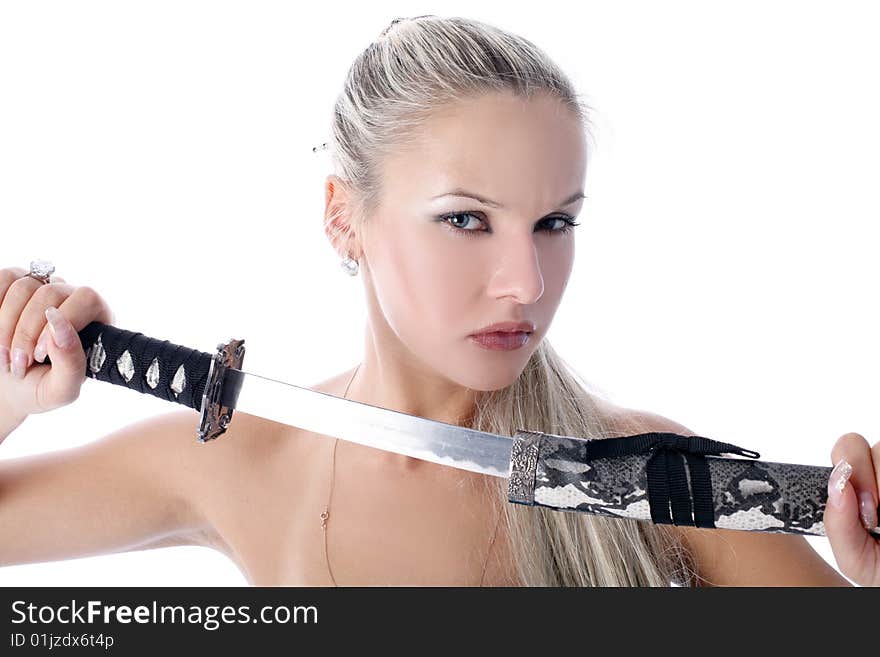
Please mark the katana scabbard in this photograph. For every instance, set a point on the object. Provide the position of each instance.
(668, 479)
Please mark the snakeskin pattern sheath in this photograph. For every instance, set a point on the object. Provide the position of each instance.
(667, 478)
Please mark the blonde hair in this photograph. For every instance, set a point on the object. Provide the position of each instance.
(399, 80)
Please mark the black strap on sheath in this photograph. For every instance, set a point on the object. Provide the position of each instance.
(667, 480)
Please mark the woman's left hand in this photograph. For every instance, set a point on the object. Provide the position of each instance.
(852, 508)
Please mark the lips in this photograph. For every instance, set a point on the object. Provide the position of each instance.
(501, 340)
(504, 336)
(506, 327)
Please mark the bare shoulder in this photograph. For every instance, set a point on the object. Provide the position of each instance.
(727, 557)
(631, 420)
(240, 463)
(206, 475)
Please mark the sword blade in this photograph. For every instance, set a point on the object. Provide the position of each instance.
(373, 426)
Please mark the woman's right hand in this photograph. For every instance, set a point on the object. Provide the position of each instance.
(24, 325)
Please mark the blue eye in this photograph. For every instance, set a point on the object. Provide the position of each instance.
(456, 215)
(567, 223)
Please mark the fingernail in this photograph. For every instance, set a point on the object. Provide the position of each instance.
(868, 509)
(19, 362)
(837, 482)
(61, 330)
(40, 350)
(4, 358)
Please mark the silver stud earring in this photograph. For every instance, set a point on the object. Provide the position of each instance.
(350, 266)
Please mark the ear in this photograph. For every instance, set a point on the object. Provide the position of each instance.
(338, 214)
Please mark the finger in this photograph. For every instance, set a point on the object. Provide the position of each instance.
(61, 385)
(85, 306)
(875, 456)
(40, 352)
(40, 348)
(7, 277)
(82, 307)
(856, 551)
(33, 320)
(18, 293)
(857, 452)
(34, 314)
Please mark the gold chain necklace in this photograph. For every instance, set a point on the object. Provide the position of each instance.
(326, 514)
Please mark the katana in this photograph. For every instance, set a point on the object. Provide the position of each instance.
(662, 477)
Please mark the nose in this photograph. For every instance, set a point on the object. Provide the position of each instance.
(518, 274)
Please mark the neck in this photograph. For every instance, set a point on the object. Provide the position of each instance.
(390, 377)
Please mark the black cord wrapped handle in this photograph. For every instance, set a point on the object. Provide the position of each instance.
(165, 370)
(154, 367)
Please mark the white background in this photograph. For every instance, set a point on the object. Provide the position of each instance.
(726, 267)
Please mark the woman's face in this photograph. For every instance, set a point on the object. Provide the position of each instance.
(431, 282)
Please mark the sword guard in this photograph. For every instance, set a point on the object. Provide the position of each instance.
(215, 416)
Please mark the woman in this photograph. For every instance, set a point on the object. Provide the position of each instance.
(460, 155)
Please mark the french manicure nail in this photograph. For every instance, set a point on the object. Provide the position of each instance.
(40, 350)
(868, 509)
(837, 481)
(19, 362)
(61, 331)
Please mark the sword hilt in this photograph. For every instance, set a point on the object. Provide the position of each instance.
(165, 370)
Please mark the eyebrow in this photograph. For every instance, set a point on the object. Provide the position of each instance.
(495, 204)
